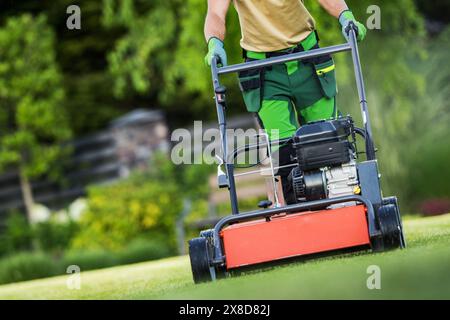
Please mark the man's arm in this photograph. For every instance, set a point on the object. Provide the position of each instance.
(215, 19)
(215, 30)
(334, 7)
(340, 10)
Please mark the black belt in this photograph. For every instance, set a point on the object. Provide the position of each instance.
(297, 48)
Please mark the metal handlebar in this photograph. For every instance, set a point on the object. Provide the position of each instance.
(258, 64)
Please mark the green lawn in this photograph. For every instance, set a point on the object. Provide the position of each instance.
(420, 271)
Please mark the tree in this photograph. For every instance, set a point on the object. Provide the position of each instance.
(32, 119)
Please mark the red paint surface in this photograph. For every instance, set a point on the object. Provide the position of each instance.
(292, 235)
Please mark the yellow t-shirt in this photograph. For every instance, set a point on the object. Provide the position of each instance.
(271, 25)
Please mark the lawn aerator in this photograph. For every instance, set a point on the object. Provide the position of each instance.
(338, 200)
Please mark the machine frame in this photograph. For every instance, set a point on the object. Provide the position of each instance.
(371, 197)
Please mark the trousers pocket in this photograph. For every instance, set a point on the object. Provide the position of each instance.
(250, 85)
(325, 71)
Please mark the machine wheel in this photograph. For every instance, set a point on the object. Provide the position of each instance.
(393, 200)
(390, 227)
(376, 244)
(199, 250)
(209, 236)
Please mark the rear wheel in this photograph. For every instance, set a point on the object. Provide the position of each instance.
(390, 227)
(199, 250)
(209, 236)
(393, 201)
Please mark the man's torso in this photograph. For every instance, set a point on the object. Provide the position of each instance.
(271, 25)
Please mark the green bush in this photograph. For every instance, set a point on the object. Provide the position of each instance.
(50, 236)
(147, 204)
(27, 266)
(54, 236)
(120, 212)
(89, 259)
(138, 250)
(33, 265)
(17, 234)
(144, 250)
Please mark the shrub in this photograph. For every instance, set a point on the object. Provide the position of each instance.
(33, 265)
(147, 203)
(144, 250)
(118, 213)
(89, 259)
(54, 236)
(51, 235)
(17, 235)
(138, 250)
(27, 266)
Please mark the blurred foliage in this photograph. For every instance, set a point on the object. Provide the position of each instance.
(151, 54)
(88, 259)
(391, 103)
(138, 250)
(435, 206)
(33, 121)
(144, 250)
(428, 150)
(147, 204)
(81, 55)
(119, 212)
(435, 9)
(130, 221)
(151, 43)
(410, 115)
(16, 235)
(138, 53)
(27, 266)
(54, 236)
(51, 236)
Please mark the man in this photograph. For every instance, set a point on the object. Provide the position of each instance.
(288, 95)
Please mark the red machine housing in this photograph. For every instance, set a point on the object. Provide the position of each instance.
(297, 234)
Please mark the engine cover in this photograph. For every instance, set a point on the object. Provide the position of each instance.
(323, 143)
(326, 160)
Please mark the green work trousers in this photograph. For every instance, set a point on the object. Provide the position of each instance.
(285, 96)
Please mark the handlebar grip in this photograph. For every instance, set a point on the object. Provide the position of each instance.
(351, 26)
(215, 62)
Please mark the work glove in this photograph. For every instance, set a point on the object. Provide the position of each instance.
(215, 48)
(345, 18)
